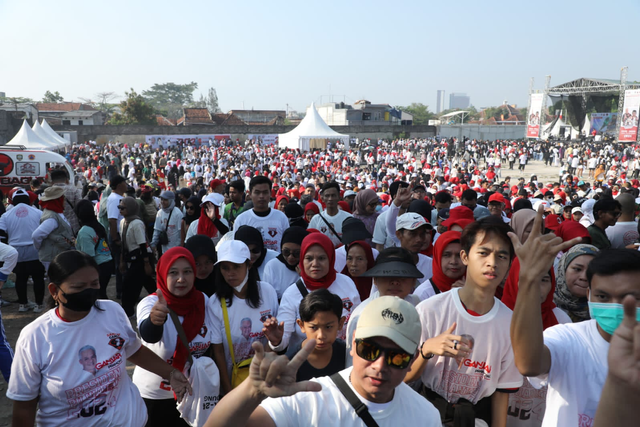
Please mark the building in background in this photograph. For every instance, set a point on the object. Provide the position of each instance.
(440, 103)
(70, 114)
(459, 101)
(362, 113)
(261, 117)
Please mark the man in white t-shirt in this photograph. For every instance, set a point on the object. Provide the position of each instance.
(381, 237)
(271, 223)
(385, 342)
(473, 369)
(625, 231)
(118, 186)
(329, 222)
(570, 358)
(414, 234)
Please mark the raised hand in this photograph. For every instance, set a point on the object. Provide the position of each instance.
(447, 344)
(273, 330)
(160, 310)
(275, 376)
(624, 349)
(402, 196)
(537, 254)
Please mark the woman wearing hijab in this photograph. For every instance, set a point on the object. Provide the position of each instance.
(260, 255)
(54, 234)
(364, 208)
(210, 223)
(295, 213)
(204, 253)
(317, 258)
(167, 223)
(310, 210)
(92, 240)
(571, 282)
(240, 306)
(176, 292)
(587, 211)
(192, 213)
(359, 260)
(136, 265)
(283, 271)
(447, 266)
(281, 202)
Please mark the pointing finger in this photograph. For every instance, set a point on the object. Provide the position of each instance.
(302, 355)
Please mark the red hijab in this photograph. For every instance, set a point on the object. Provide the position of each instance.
(439, 278)
(279, 199)
(362, 283)
(325, 243)
(510, 293)
(311, 206)
(190, 306)
(571, 229)
(205, 225)
(56, 205)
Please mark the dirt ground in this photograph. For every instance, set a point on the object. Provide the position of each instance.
(15, 321)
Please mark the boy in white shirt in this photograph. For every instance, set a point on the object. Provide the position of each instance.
(570, 358)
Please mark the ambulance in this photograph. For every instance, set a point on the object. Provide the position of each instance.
(19, 166)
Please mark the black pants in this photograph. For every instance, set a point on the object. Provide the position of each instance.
(163, 413)
(134, 280)
(105, 270)
(23, 270)
(115, 253)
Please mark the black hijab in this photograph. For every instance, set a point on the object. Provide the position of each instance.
(203, 245)
(292, 235)
(189, 218)
(251, 236)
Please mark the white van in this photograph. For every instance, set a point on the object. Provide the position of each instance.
(19, 166)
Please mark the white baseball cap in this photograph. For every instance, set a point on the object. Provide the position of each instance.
(576, 209)
(233, 251)
(411, 221)
(392, 318)
(215, 198)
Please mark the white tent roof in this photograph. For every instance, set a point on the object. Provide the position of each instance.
(28, 138)
(53, 133)
(311, 127)
(44, 135)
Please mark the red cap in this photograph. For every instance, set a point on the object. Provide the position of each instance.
(497, 197)
(552, 221)
(460, 215)
(217, 182)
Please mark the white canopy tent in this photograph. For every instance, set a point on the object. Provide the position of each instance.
(28, 138)
(53, 133)
(44, 135)
(312, 132)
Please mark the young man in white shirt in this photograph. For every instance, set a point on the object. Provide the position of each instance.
(473, 370)
(625, 231)
(270, 222)
(385, 342)
(118, 186)
(329, 222)
(570, 358)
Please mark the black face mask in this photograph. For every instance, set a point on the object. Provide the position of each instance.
(80, 301)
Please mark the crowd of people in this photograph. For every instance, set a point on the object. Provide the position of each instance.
(396, 281)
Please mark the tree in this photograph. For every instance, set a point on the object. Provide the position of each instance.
(52, 98)
(420, 112)
(103, 102)
(210, 102)
(170, 98)
(134, 110)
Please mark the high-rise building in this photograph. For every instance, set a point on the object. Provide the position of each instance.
(459, 100)
(440, 103)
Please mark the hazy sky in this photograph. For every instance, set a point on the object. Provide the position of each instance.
(266, 54)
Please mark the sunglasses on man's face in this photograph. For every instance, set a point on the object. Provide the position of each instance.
(370, 351)
(122, 207)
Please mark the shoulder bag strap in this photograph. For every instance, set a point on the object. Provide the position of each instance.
(435, 288)
(181, 334)
(227, 328)
(330, 226)
(301, 288)
(361, 409)
(169, 219)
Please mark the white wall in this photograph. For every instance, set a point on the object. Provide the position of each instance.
(483, 132)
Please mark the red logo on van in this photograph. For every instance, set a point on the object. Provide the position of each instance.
(6, 165)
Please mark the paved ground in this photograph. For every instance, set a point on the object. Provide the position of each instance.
(15, 321)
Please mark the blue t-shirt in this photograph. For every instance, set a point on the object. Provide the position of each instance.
(89, 243)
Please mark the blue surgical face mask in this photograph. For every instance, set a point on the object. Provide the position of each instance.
(609, 315)
(378, 208)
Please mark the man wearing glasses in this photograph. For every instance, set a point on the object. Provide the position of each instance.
(384, 345)
(606, 212)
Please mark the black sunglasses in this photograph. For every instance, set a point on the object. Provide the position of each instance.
(287, 253)
(256, 251)
(122, 207)
(190, 208)
(370, 351)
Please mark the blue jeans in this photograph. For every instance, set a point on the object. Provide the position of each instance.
(6, 353)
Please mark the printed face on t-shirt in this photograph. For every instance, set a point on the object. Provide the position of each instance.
(88, 360)
(488, 261)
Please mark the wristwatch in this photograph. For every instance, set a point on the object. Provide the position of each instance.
(422, 354)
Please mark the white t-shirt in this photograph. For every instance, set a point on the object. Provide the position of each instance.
(246, 323)
(491, 364)
(271, 255)
(279, 276)
(152, 386)
(341, 257)
(271, 226)
(47, 364)
(335, 221)
(136, 235)
(577, 374)
(425, 290)
(173, 229)
(329, 407)
(425, 267)
(380, 235)
(622, 234)
(343, 286)
(112, 207)
(527, 405)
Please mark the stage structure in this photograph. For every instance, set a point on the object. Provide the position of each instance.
(583, 95)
